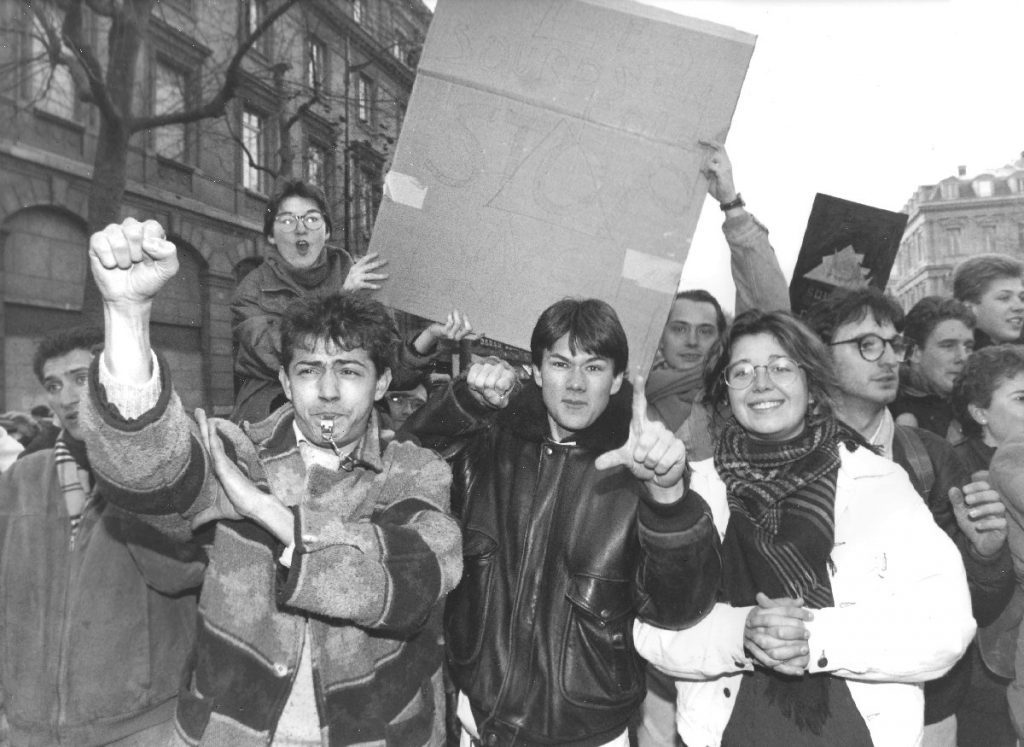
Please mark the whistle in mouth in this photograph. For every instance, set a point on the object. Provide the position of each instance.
(327, 430)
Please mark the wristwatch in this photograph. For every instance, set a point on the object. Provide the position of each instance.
(737, 203)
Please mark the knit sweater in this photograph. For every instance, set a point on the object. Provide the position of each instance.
(375, 554)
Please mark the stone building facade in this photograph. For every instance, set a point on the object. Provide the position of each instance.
(321, 96)
(949, 221)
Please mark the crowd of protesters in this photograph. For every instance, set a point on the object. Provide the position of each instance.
(793, 530)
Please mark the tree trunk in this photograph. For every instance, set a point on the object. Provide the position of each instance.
(110, 167)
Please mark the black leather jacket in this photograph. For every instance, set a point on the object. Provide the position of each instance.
(560, 559)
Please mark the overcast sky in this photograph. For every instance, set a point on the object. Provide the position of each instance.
(861, 99)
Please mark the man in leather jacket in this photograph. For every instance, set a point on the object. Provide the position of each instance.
(577, 519)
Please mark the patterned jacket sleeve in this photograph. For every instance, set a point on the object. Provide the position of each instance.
(154, 466)
(388, 570)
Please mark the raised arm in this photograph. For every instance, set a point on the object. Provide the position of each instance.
(755, 267)
(681, 568)
(144, 449)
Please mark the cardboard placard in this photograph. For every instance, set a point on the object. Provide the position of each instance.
(551, 149)
(846, 245)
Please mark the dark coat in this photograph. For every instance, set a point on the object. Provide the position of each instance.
(559, 559)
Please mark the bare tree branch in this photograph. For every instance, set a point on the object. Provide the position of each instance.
(73, 36)
(217, 105)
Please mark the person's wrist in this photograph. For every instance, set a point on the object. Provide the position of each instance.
(736, 202)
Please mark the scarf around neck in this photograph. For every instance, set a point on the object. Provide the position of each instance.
(74, 477)
(779, 541)
(306, 277)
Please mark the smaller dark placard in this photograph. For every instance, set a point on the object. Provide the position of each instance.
(846, 245)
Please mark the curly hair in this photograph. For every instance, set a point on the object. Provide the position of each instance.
(852, 306)
(983, 373)
(63, 342)
(800, 344)
(348, 320)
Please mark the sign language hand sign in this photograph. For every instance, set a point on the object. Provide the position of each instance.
(652, 452)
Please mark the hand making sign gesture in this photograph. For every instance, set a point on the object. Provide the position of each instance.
(652, 452)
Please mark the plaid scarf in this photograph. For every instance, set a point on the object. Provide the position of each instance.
(74, 478)
(781, 502)
(779, 540)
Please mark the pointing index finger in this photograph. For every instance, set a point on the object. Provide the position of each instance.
(639, 397)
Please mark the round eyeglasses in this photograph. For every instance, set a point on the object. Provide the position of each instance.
(872, 347)
(288, 223)
(782, 371)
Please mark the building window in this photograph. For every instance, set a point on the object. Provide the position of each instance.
(365, 207)
(170, 95)
(399, 45)
(358, 10)
(989, 237)
(315, 65)
(316, 160)
(254, 147)
(51, 86)
(954, 235)
(983, 187)
(950, 190)
(364, 92)
(254, 13)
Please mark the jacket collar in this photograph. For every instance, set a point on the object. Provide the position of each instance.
(527, 417)
(275, 435)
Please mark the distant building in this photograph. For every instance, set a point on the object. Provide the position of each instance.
(960, 216)
(324, 92)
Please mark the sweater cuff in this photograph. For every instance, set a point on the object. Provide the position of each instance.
(132, 400)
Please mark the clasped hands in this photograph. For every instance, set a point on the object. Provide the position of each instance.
(776, 636)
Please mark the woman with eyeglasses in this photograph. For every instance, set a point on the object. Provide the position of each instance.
(297, 225)
(840, 593)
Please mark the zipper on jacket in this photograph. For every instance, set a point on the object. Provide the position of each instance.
(546, 451)
(70, 582)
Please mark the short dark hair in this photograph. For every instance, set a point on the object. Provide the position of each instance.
(592, 326)
(700, 295)
(984, 371)
(294, 188)
(800, 344)
(972, 277)
(929, 313)
(56, 344)
(849, 307)
(348, 320)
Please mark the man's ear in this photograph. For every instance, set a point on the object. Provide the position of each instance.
(915, 355)
(617, 382)
(383, 382)
(271, 240)
(537, 378)
(979, 415)
(286, 384)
